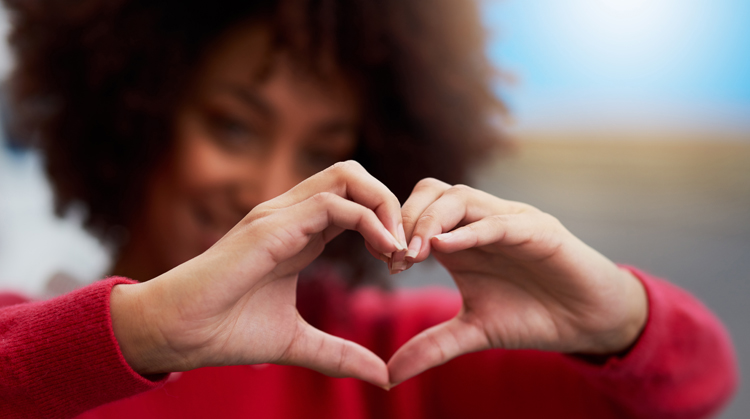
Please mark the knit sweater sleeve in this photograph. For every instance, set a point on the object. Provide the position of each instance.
(682, 366)
(59, 357)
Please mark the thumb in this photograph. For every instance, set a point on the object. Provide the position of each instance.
(334, 356)
(435, 346)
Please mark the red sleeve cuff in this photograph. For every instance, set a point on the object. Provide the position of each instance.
(683, 361)
(61, 357)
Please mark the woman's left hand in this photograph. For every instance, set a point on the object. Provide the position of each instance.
(526, 281)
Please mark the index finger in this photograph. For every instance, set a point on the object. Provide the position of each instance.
(425, 192)
(349, 180)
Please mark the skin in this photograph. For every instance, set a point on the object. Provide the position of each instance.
(526, 282)
(240, 140)
(248, 158)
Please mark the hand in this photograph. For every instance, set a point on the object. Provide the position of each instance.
(526, 281)
(235, 303)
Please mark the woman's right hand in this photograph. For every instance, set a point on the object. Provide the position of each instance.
(235, 303)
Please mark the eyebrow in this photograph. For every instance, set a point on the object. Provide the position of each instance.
(249, 98)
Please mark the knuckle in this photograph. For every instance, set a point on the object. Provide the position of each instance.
(323, 198)
(495, 221)
(259, 212)
(354, 165)
(430, 183)
(345, 167)
(550, 220)
(525, 208)
(409, 218)
(426, 219)
(262, 207)
(338, 169)
(461, 189)
(462, 193)
(343, 358)
(343, 170)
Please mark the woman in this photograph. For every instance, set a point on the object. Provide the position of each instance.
(209, 135)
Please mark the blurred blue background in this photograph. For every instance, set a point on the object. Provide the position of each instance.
(673, 64)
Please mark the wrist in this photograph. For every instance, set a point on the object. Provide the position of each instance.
(625, 335)
(136, 331)
(638, 311)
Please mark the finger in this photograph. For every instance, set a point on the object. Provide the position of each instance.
(425, 192)
(334, 356)
(284, 234)
(440, 216)
(500, 230)
(435, 346)
(377, 255)
(324, 210)
(351, 181)
(388, 259)
(456, 206)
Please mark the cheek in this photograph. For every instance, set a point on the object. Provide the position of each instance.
(196, 178)
(202, 167)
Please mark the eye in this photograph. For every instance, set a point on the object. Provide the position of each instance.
(231, 128)
(231, 132)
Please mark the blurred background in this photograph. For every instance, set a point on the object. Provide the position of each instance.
(632, 126)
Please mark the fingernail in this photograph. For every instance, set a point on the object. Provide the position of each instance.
(398, 263)
(388, 255)
(402, 236)
(398, 266)
(444, 236)
(386, 387)
(394, 240)
(384, 258)
(414, 247)
(400, 247)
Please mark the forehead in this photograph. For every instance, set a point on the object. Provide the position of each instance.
(245, 57)
(243, 54)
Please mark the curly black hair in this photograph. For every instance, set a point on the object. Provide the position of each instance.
(97, 82)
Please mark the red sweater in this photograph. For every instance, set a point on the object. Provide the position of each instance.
(59, 358)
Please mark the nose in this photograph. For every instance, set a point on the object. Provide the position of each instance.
(280, 175)
(267, 177)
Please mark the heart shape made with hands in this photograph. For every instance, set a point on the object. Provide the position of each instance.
(524, 280)
(431, 347)
(320, 290)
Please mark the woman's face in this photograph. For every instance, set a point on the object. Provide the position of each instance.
(240, 140)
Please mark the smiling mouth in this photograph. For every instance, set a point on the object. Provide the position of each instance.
(212, 222)
(210, 230)
(203, 217)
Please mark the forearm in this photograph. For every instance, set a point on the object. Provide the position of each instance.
(60, 357)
